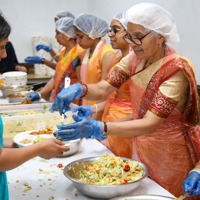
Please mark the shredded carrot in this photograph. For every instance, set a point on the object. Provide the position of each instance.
(76, 195)
(37, 196)
(49, 179)
(29, 187)
(41, 170)
(41, 185)
(17, 181)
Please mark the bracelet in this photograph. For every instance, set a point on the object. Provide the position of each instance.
(86, 90)
(195, 170)
(39, 95)
(96, 108)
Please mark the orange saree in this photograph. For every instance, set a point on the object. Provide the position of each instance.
(168, 89)
(118, 106)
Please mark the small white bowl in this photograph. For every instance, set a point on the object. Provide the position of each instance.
(74, 145)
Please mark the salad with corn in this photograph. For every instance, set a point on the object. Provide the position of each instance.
(111, 170)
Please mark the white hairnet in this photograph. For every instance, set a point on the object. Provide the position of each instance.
(121, 18)
(65, 26)
(155, 18)
(91, 25)
(64, 13)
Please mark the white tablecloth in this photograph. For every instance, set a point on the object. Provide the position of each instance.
(46, 179)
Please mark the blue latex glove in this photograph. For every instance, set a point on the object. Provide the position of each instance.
(83, 127)
(44, 47)
(83, 111)
(34, 97)
(33, 59)
(67, 96)
(192, 182)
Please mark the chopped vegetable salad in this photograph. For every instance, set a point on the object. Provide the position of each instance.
(111, 170)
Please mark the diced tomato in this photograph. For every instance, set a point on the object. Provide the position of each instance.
(137, 170)
(60, 165)
(125, 181)
(127, 168)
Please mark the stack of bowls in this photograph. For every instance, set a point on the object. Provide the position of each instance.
(14, 86)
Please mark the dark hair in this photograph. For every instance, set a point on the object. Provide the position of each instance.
(5, 28)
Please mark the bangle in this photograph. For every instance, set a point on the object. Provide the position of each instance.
(96, 108)
(86, 90)
(42, 61)
(39, 95)
(195, 170)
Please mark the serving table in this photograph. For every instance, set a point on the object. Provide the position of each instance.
(43, 179)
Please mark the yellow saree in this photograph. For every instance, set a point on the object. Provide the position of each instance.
(91, 68)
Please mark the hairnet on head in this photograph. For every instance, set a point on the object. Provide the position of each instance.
(64, 13)
(91, 25)
(121, 18)
(65, 26)
(155, 18)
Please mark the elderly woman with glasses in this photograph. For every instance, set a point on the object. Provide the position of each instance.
(164, 99)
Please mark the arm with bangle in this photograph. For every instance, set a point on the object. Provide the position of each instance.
(50, 64)
(48, 87)
(54, 55)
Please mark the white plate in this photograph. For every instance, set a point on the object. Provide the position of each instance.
(26, 135)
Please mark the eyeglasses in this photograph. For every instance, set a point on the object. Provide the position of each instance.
(114, 31)
(137, 41)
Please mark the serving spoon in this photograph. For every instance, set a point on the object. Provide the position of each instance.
(67, 84)
(184, 196)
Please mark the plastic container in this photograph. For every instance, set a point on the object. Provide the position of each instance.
(15, 124)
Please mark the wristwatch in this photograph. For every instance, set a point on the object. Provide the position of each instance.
(42, 61)
(105, 133)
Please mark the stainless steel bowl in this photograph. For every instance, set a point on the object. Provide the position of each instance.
(72, 172)
(143, 197)
(17, 97)
(14, 89)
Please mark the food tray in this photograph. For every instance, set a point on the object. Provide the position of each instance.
(14, 108)
(14, 124)
(40, 106)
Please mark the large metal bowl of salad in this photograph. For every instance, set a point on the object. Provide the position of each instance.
(107, 176)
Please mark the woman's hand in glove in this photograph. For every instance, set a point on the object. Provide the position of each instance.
(83, 111)
(67, 96)
(192, 183)
(83, 127)
(44, 47)
(33, 59)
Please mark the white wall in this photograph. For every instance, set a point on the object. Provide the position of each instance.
(35, 17)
